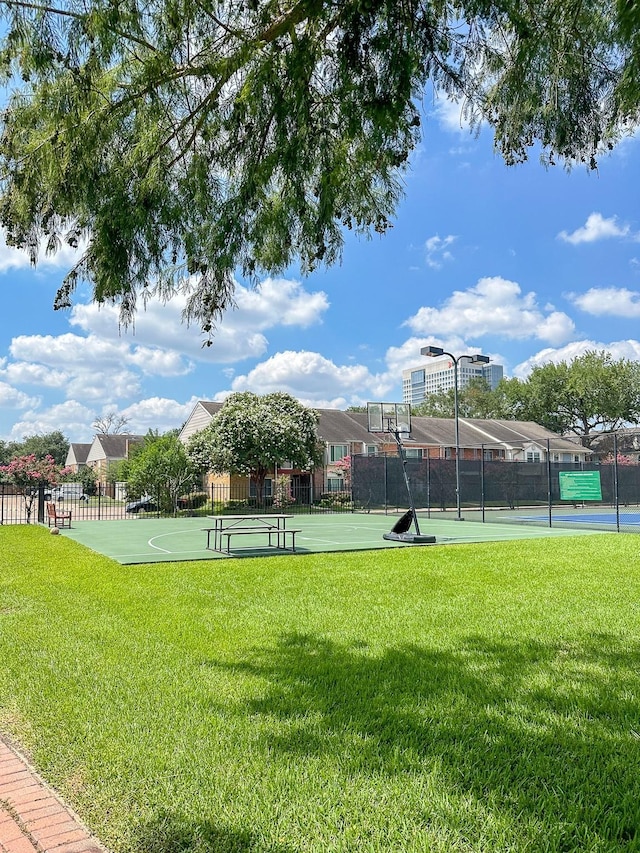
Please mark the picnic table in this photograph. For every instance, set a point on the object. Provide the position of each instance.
(273, 525)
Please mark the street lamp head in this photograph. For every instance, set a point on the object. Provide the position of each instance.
(432, 352)
(480, 359)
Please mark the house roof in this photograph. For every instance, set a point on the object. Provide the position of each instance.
(112, 446)
(212, 408)
(77, 453)
(338, 426)
(521, 433)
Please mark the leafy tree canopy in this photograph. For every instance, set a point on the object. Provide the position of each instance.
(187, 140)
(592, 394)
(476, 400)
(251, 434)
(160, 468)
(53, 444)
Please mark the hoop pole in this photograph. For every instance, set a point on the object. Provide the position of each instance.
(403, 459)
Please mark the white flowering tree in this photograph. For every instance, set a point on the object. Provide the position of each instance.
(251, 434)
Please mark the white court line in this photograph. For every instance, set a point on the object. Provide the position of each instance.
(173, 533)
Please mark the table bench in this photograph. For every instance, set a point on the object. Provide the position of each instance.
(248, 531)
(268, 524)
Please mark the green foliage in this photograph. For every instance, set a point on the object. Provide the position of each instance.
(184, 141)
(193, 500)
(53, 444)
(161, 468)
(251, 434)
(440, 404)
(476, 400)
(592, 392)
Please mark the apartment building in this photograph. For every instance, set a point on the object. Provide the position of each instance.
(438, 374)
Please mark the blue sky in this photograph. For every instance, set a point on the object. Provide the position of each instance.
(524, 264)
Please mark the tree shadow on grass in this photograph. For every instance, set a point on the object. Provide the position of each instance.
(545, 733)
(170, 833)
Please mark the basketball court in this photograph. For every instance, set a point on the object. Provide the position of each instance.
(155, 540)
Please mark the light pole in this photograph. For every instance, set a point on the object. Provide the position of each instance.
(476, 358)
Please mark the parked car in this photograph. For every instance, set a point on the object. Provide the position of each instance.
(67, 492)
(143, 504)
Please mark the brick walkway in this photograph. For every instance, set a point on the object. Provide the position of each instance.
(33, 819)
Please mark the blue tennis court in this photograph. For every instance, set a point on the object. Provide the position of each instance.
(626, 518)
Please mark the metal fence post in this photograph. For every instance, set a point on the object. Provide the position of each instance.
(386, 485)
(549, 487)
(616, 492)
(482, 505)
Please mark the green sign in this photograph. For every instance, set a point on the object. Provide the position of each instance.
(580, 486)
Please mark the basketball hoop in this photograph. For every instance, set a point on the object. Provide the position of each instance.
(395, 419)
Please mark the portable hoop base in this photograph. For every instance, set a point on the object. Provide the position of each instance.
(410, 538)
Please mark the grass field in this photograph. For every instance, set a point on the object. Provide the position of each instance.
(475, 697)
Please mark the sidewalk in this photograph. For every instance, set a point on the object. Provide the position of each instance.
(33, 819)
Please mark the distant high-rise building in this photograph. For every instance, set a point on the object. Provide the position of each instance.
(438, 375)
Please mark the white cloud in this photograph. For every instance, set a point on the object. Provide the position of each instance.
(608, 301)
(276, 302)
(71, 352)
(437, 250)
(313, 378)
(495, 306)
(25, 373)
(451, 115)
(89, 368)
(595, 228)
(157, 413)
(11, 258)
(75, 419)
(239, 335)
(11, 398)
(629, 349)
(72, 418)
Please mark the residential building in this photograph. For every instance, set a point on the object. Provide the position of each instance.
(107, 450)
(77, 456)
(346, 434)
(438, 374)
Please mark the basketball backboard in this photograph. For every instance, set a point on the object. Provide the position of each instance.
(392, 418)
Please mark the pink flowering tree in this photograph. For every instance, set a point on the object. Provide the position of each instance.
(28, 474)
(344, 467)
(621, 459)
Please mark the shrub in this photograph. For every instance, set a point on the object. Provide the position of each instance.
(195, 500)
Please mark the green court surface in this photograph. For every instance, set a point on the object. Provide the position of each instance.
(153, 540)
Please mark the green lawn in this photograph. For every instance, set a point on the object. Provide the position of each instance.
(476, 698)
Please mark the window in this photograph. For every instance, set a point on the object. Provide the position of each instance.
(413, 452)
(267, 488)
(335, 484)
(372, 449)
(533, 456)
(337, 452)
